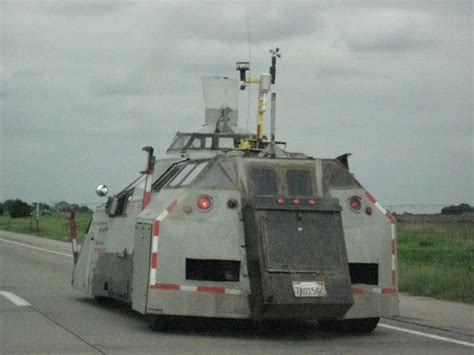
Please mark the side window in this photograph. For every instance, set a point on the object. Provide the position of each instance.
(179, 142)
(167, 176)
(337, 176)
(182, 174)
(201, 143)
(263, 181)
(299, 182)
(226, 142)
(188, 174)
(222, 175)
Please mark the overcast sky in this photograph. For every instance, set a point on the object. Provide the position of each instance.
(85, 85)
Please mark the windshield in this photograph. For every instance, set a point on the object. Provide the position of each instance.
(185, 141)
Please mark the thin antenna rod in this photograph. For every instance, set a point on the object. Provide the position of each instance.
(250, 70)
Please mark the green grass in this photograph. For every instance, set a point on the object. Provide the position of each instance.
(436, 258)
(53, 226)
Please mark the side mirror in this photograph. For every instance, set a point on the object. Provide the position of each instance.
(101, 190)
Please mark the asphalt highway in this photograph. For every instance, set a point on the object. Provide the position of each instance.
(41, 314)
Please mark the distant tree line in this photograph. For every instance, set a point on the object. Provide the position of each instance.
(463, 208)
(18, 208)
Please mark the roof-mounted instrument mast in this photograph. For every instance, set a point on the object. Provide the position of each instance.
(265, 82)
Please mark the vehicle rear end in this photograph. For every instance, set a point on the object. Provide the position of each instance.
(296, 252)
(261, 238)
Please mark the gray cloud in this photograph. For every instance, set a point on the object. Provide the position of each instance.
(390, 29)
(228, 22)
(83, 84)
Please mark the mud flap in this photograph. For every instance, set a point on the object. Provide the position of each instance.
(297, 260)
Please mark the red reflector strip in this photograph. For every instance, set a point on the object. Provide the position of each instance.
(146, 199)
(390, 218)
(357, 290)
(154, 260)
(156, 228)
(370, 197)
(209, 289)
(201, 289)
(389, 290)
(172, 205)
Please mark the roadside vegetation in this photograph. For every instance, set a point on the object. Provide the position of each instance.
(436, 256)
(21, 217)
(52, 225)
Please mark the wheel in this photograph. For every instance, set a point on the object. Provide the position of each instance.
(360, 325)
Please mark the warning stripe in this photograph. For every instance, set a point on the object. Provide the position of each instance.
(394, 255)
(155, 239)
(393, 243)
(388, 215)
(147, 190)
(194, 288)
(360, 290)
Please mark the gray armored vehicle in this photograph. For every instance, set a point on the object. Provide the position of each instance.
(229, 224)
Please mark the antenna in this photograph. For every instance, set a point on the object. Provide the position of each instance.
(250, 72)
(275, 55)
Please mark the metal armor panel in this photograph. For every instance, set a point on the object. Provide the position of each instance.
(291, 246)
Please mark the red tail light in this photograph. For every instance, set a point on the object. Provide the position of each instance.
(355, 203)
(312, 201)
(281, 200)
(204, 203)
(296, 201)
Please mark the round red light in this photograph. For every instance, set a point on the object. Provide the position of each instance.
(355, 203)
(204, 202)
(312, 202)
(281, 200)
(296, 201)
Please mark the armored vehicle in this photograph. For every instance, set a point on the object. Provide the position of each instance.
(229, 224)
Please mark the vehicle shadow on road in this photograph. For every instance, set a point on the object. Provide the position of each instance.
(219, 327)
(248, 329)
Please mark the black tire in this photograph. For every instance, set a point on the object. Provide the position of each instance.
(360, 326)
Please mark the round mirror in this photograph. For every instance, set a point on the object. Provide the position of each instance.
(101, 190)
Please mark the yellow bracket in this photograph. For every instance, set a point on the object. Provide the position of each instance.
(252, 80)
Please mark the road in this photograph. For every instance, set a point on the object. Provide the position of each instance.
(40, 313)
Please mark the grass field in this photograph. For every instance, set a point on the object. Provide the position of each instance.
(53, 226)
(435, 253)
(436, 256)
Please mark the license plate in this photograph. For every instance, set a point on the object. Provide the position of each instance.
(309, 288)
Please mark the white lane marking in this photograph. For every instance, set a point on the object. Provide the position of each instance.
(36, 248)
(14, 298)
(427, 335)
